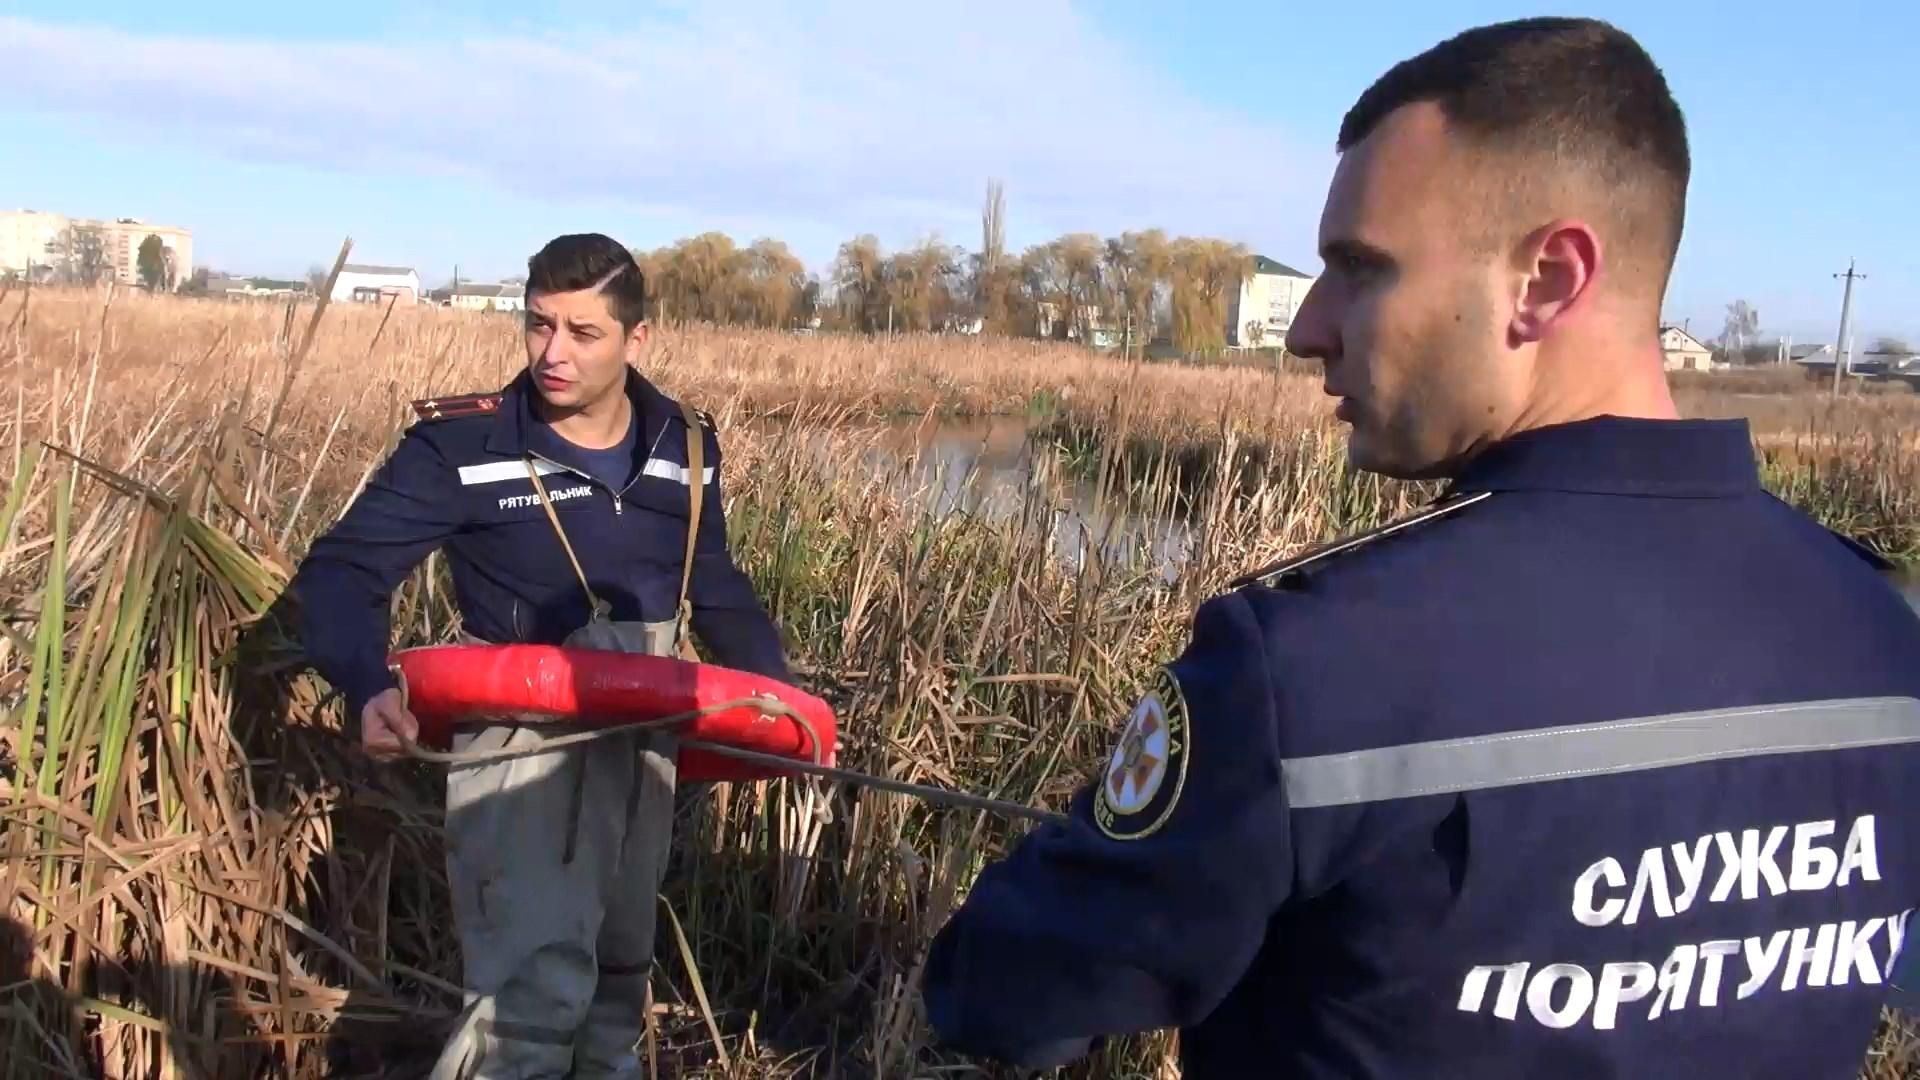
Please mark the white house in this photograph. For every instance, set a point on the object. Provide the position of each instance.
(1259, 315)
(472, 296)
(361, 282)
(1684, 352)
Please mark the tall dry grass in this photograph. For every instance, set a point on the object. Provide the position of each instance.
(203, 877)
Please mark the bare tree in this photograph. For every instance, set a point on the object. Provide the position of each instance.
(1742, 324)
(993, 227)
(79, 254)
(993, 281)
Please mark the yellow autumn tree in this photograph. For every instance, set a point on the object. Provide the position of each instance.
(1203, 273)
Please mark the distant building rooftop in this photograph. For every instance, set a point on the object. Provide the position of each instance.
(498, 291)
(1264, 265)
(370, 268)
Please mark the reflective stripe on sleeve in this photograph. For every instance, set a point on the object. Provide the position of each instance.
(1559, 753)
(667, 470)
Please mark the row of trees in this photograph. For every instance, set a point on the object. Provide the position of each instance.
(1136, 287)
(709, 279)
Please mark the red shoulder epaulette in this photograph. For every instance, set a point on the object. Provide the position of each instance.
(450, 408)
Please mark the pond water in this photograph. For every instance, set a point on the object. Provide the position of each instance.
(999, 469)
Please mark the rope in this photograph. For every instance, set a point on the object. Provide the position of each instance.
(860, 779)
(770, 706)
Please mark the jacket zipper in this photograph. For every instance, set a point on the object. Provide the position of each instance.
(571, 471)
(652, 448)
(618, 496)
(623, 491)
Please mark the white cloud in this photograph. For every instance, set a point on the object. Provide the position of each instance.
(857, 118)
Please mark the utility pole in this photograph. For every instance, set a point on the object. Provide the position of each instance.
(1846, 315)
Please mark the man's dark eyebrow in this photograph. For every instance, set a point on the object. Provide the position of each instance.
(1347, 247)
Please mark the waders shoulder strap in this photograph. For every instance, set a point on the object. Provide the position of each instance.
(600, 612)
(600, 607)
(696, 489)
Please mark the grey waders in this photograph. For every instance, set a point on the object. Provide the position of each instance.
(555, 861)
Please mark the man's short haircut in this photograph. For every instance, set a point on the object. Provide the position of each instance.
(579, 261)
(1575, 96)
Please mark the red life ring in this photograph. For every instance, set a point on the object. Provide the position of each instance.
(603, 688)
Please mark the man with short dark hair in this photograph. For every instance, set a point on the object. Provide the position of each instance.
(1599, 766)
(579, 505)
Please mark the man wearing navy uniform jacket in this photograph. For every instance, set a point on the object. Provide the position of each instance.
(1601, 766)
(564, 505)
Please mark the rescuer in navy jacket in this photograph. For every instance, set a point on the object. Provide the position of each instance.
(456, 482)
(1602, 766)
(554, 857)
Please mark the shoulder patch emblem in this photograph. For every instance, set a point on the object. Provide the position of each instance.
(1148, 767)
(1271, 575)
(450, 408)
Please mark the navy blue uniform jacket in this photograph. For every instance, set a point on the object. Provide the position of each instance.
(1608, 772)
(460, 482)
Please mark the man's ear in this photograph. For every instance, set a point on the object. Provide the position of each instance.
(1558, 264)
(637, 340)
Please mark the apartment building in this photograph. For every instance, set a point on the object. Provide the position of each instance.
(28, 237)
(123, 238)
(25, 236)
(1261, 311)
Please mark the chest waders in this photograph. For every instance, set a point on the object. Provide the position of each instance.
(661, 637)
(556, 952)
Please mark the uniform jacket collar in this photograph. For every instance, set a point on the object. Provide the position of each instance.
(1613, 455)
(516, 423)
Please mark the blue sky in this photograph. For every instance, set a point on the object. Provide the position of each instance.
(469, 134)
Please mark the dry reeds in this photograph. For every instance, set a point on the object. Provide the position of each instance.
(203, 876)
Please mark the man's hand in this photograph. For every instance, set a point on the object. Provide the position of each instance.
(382, 722)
